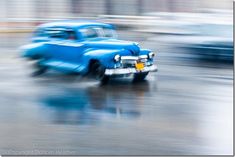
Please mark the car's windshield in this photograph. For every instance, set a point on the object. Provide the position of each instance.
(95, 32)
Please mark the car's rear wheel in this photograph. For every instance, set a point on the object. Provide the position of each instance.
(98, 72)
(38, 69)
(138, 77)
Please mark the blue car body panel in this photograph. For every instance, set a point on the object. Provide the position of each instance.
(76, 55)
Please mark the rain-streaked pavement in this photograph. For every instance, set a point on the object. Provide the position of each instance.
(184, 108)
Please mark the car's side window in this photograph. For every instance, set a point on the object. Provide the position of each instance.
(89, 32)
(51, 33)
(71, 34)
(107, 32)
(94, 32)
(56, 33)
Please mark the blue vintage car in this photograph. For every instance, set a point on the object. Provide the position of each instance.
(87, 47)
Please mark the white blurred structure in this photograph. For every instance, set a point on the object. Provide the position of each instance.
(18, 15)
(74, 8)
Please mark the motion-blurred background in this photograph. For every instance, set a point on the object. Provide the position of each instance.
(76, 8)
(186, 108)
(203, 27)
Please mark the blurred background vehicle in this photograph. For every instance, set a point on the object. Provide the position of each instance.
(203, 36)
(212, 41)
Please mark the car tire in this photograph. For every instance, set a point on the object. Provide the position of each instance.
(38, 69)
(98, 72)
(140, 77)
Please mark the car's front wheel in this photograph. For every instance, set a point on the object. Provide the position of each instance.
(98, 72)
(140, 76)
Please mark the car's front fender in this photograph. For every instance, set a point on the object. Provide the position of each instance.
(104, 56)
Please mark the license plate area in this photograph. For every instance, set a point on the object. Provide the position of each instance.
(139, 66)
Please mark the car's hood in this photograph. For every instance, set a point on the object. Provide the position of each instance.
(113, 44)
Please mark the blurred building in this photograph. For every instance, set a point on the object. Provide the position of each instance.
(76, 8)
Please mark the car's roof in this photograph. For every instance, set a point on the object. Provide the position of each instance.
(74, 24)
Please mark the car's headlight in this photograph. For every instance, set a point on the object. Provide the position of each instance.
(151, 55)
(117, 58)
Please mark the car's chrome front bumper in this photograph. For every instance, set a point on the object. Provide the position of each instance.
(123, 71)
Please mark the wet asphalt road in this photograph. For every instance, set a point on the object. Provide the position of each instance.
(184, 108)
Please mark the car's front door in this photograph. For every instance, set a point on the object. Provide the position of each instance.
(65, 50)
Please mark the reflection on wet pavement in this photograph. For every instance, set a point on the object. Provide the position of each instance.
(81, 106)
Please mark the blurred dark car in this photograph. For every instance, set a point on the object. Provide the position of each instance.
(207, 41)
(200, 35)
(210, 41)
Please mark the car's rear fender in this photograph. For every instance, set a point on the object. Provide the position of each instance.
(34, 50)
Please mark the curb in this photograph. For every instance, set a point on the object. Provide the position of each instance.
(16, 30)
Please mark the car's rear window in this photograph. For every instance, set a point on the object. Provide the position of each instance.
(56, 33)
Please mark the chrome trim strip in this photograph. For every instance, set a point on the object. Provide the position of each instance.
(129, 57)
(121, 71)
(143, 56)
(134, 57)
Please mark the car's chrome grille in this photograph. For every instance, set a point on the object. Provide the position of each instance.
(130, 61)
